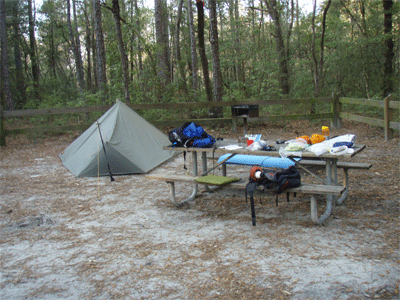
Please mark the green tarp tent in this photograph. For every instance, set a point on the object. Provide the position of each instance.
(132, 145)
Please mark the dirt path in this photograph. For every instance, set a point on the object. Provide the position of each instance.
(70, 238)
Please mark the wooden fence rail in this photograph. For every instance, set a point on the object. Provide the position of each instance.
(389, 107)
(334, 113)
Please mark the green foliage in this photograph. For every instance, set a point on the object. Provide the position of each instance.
(353, 53)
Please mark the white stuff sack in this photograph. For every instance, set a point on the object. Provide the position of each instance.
(327, 145)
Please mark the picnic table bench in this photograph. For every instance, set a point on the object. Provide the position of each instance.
(304, 163)
(312, 189)
(329, 187)
(346, 166)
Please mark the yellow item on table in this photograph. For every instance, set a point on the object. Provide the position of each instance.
(317, 138)
(325, 131)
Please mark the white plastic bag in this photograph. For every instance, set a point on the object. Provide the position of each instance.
(326, 146)
(258, 145)
(293, 148)
(320, 148)
(296, 145)
(341, 150)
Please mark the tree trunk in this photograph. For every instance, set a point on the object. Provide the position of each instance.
(289, 34)
(132, 38)
(262, 25)
(5, 74)
(100, 49)
(78, 46)
(94, 55)
(233, 39)
(193, 47)
(163, 65)
(121, 46)
(88, 45)
(388, 77)
(238, 49)
(217, 76)
(178, 49)
(138, 38)
(20, 97)
(32, 44)
(75, 44)
(52, 47)
(202, 48)
(272, 6)
(318, 65)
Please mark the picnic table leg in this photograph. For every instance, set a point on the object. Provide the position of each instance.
(330, 164)
(223, 169)
(204, 165)
(314, 210)
(343, 197)
(334, 172)
(195, 185)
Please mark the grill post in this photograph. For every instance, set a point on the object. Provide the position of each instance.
(244, 111)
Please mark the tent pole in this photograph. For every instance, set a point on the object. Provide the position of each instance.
(105, 153)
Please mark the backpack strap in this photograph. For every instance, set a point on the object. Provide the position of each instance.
(184, 159)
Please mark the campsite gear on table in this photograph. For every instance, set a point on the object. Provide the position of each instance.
(277, 182)
(326, 146)
(317, 138)
(257, 145)
(190, 134)
(269, 148)
(306, 138)
(296, 145)
(257, 160)
(347, 144)
(341, 150)
(293, 148)
(251, 138)
(132, 145)
(325, 132)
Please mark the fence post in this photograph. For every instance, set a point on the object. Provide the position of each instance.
(2, 130)
(388, 116)
(336, 108)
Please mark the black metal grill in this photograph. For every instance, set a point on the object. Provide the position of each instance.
(245, 111)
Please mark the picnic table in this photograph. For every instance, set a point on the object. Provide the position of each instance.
(328, 186)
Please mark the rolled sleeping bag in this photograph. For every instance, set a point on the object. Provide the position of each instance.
(258, 160)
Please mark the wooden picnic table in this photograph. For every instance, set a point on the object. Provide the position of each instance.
(330, 165)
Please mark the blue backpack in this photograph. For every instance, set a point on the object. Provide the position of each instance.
(190, 134)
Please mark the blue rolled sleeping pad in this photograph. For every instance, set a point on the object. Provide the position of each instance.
(258, 160)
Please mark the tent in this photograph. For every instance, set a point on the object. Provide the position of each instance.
(120, 141)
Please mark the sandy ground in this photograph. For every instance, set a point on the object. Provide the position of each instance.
(89, 238)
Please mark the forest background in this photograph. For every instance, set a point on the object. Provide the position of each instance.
(65, 53)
